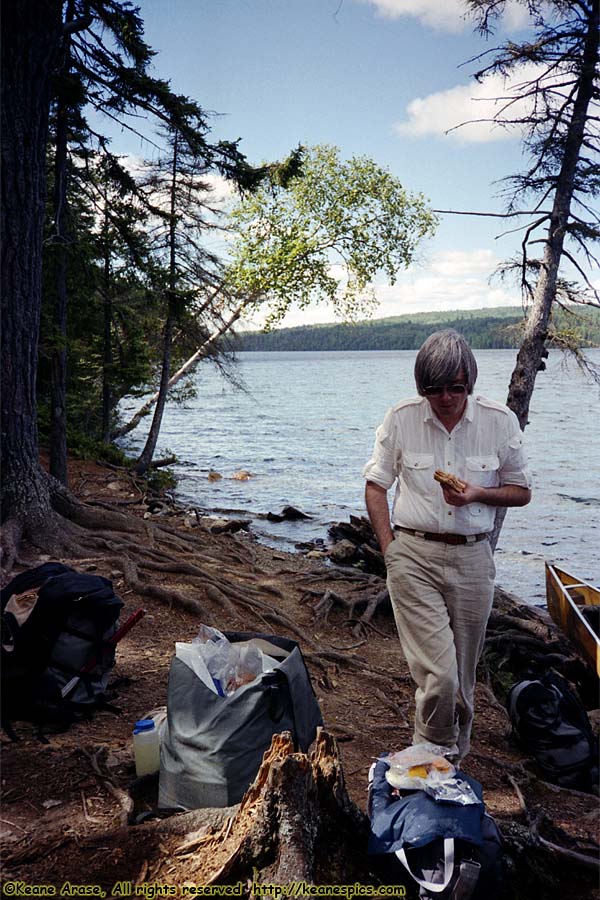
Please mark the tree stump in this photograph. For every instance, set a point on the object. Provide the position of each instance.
(296, 823)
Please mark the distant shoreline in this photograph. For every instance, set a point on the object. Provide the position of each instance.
(498, 328)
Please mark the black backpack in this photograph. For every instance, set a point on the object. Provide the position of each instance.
(57, 626)
(550, 723)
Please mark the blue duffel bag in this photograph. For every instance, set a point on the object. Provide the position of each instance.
(453, 852)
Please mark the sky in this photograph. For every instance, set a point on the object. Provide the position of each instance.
(382, 78)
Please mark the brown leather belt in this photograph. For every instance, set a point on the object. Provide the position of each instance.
(445, 538)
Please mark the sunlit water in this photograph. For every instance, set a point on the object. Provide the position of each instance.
(304, 428)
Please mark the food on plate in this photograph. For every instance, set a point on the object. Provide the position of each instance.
(450, 480)
(418, 766)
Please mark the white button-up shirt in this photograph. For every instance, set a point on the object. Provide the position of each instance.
(485, 448)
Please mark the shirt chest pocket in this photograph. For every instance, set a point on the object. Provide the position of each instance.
(417, 471)
(482, 470)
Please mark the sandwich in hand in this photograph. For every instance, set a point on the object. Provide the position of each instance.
(450, 481)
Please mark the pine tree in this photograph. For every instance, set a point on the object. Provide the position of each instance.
(562, 140)
(107, 50)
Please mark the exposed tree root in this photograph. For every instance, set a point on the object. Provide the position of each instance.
(330, 599)
(122, 797)
(493, 700)
(351, 662)
(141, 550)
(336, 575)
(34, 849)
(12, 533)
(521, 640)
(575, 857)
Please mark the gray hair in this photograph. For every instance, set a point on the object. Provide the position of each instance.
(441, 358)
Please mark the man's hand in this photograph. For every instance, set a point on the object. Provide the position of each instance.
(470, 494)
(505, 495)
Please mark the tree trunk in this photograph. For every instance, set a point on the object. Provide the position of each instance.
(200, 353)
(533, 347)
(296, 823)
(150, 446)
(31, 38)
(531, 352)
(107, 354)
(58, 371)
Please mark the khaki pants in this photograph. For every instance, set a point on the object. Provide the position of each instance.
(441, 597)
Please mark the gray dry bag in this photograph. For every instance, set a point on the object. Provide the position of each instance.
(212, 746)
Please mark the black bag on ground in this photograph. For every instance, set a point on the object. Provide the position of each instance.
(550, 723)
(55, 621)
(212, 746)
(452, 852)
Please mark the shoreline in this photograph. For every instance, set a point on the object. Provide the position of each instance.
(303, 546)
(304, 435)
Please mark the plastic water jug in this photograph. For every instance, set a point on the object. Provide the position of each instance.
(146, 747)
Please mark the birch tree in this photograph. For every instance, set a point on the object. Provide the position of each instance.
(317, 228)
(326, 236)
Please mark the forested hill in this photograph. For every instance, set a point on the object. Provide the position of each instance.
(484, 329)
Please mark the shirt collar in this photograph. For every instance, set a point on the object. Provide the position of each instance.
(469, 408)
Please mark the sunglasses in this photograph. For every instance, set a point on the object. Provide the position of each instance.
(436, 390)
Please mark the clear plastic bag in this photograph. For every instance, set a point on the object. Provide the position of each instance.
(454, 790)
(418, 766)
(247, 665)
(218, 655)
(231, 666)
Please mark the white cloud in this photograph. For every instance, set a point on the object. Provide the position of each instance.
(447, 15)
(474, 103)
(463, 263)
(451, 279)
(444, 14)
(221, 190)
(432, 292)
(515, 16)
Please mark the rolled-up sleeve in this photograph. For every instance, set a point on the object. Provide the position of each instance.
(513, 458)
(382, 468)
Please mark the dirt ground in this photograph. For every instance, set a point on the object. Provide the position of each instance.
(61, 802)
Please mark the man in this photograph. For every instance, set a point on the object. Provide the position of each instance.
(436, 547)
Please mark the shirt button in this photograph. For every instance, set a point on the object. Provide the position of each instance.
(449, 513)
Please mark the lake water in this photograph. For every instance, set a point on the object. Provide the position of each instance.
(304, 427)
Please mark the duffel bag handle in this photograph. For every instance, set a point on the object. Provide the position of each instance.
(434, 887)
(275, 684)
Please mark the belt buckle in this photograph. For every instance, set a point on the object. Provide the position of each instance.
(471, 539)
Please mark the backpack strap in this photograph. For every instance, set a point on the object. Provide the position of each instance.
(434, 887)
